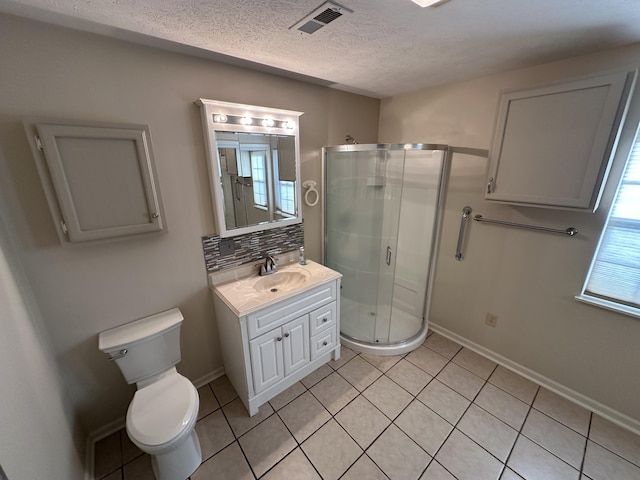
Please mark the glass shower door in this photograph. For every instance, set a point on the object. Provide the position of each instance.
(363, 193)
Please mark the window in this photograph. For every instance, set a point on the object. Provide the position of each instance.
(614, 278)
(259, 174)
(287, 197)
(284, 189)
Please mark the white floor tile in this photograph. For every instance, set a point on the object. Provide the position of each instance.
(566, 412)
(515, 384)
(533, 462)
(363, 421)
(502, 405)
(467, 460)
(295, 465)
(462, 381)
(331, 450)
(390, 398)
(267, 444)
(359, 373)
(555, 437)
(304, 416)
(601, 464)
(408, 376)
(424, 426)
(617, 439)
(487, 431)
(428, 360)
(364, 469)
(397, 455)
(475, 363)
(445, 402)
(442, 345)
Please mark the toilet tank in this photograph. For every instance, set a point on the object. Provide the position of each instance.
(152, 345)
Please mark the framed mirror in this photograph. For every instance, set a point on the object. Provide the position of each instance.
(253, 157)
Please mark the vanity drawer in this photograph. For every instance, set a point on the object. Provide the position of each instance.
(271, 317)
(322, 343)
(323, 318)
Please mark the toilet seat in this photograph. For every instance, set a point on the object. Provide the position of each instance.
(160, 414)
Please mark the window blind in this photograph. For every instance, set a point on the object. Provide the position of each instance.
(615, 272)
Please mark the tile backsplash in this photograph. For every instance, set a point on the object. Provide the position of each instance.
(252, 247)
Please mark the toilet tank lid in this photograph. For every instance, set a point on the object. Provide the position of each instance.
(134, 331)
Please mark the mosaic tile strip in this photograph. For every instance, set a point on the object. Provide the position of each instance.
(252, 247)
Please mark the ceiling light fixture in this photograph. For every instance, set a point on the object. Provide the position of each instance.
(429, 3)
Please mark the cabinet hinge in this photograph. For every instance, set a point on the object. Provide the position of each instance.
(38, 143)
(491, 185)
(65, 229)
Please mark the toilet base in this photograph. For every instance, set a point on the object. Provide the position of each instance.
(180, 462)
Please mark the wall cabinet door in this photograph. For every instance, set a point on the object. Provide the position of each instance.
(99, 179)
(552, 145)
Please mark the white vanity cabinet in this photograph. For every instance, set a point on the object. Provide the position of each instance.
(271, 340)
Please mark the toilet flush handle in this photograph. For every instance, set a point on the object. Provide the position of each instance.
(120, 354)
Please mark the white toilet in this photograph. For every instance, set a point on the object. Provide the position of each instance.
(161, 418)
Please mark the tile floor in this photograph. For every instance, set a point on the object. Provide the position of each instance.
(440, 412)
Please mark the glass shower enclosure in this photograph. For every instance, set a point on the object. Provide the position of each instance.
(382, 212)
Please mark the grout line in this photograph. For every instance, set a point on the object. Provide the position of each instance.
(586, 444)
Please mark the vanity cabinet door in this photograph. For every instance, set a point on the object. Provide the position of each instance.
(267, 359)
(296, 344)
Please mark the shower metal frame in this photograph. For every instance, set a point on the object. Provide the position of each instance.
(411, 343)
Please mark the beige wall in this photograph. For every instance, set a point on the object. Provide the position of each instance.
(39, 437)
(82, 290)
(528, 279)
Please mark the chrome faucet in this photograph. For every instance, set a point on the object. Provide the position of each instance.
(269, 266)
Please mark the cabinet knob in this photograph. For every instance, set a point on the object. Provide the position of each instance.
(279, 339)
(286, 335)
(324, 343)
(155, 215)
(324, 320)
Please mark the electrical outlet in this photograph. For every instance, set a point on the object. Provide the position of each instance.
(491, 320)
(227, 246)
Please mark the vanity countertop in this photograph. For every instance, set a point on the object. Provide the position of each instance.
(244, 291)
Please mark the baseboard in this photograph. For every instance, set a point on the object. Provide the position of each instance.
(96, 436)
(119, 424)
(590, 404)
(209, 377)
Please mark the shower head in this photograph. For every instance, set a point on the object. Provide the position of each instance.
(350, 139)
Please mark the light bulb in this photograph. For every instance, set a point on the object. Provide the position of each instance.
(246, 120)
(268, 122)
(288, 125)
(220, 118)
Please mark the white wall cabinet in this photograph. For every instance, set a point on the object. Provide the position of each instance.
(99, 179)
(552, 145)
(268, 350)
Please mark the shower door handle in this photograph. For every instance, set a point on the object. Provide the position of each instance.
(388, 255)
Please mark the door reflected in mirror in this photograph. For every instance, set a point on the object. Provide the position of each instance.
(257, 177)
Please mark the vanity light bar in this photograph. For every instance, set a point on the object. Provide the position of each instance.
(248, 120)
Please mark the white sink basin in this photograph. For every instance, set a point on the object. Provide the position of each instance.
(281, 282)
(244, 292)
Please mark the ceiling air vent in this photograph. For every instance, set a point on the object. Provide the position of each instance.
(321, 16)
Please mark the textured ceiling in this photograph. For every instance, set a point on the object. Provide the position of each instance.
(383, 48)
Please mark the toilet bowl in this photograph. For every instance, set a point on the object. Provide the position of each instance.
(162, 415)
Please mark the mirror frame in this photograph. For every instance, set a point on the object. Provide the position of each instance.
(286, 122)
